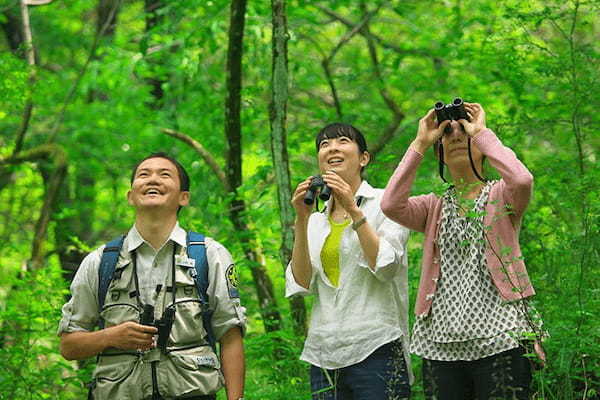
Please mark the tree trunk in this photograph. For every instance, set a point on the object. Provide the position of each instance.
(233, 132)
(77, 224)
(279, 154)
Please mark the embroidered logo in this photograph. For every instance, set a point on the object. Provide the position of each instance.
(232, 281)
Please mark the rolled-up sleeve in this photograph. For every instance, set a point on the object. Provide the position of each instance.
(392, 250)
(293, 288)
(223, 291)
(80, 313)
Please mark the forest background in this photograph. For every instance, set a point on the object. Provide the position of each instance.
(237, 92)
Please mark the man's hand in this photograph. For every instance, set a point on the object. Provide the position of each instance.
(132, 336)
(477, 116)
(129, 335)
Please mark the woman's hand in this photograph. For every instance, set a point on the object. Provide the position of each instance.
(302, 210)
(342, 192)
(429, 132)
(477, 116)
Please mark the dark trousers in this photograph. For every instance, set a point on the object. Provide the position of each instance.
(381, 376)
(504, 376)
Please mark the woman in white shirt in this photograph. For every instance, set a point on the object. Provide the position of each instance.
(352, 258)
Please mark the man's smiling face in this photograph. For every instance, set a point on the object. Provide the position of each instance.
(156, 184)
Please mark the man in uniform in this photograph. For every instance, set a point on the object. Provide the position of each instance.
(155, 277)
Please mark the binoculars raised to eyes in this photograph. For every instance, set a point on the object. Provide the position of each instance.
(317, 184)
(453, 111)
(164, 324)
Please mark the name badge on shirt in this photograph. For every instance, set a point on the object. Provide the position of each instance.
(206, 361)
(184, 261)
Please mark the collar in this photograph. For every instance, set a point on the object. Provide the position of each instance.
(134, 238)
(365, 190)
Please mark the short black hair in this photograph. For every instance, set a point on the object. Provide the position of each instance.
(184, 178)
(338, 129)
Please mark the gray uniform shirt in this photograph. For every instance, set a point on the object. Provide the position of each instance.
(81, 312)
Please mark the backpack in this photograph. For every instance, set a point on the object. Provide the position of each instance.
(196, 249)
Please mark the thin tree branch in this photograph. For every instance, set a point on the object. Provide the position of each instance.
(352, 32)
(383, 43)
(73, 89)
(37, 2)
(55, 154)
(205, 154)
(41, 227)
(327, 61)
(24, 124)
(316, 96)
(397, 114)
(389, 133)
(30, 57)
(27, 33)
(37, 153)
(329, 78)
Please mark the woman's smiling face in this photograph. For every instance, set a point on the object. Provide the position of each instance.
(342, 155)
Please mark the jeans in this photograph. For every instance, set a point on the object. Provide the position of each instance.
(381, 376)
(503, 376)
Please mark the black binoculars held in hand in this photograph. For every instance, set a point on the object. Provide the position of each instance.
(453, 111)
(317, 184)
(164, 324)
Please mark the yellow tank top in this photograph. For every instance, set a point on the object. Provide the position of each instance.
(330, 254)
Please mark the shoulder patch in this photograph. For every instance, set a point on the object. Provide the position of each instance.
(232, 281)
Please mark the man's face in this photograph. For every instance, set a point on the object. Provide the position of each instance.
(156, 185)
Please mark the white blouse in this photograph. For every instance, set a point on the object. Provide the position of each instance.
(368, 308)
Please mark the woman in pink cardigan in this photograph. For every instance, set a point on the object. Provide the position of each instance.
(473, 317)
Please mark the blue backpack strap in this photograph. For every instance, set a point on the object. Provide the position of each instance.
(108, 262)
(196, 249)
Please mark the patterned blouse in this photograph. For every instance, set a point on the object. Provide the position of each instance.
(469, 319)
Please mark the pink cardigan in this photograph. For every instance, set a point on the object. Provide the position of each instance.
(504, 210)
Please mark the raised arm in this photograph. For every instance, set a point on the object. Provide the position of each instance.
(517, 178)
(396, 204)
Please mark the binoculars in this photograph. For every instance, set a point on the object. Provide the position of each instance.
(453, 111)
(164, 325)
(317, 184)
